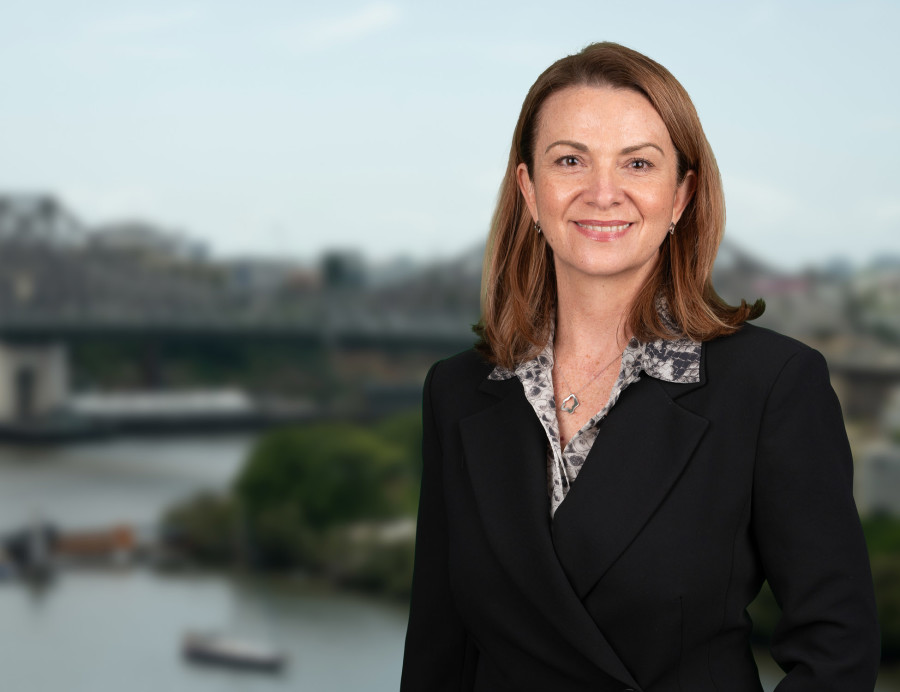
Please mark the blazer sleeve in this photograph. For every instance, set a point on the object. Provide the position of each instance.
(437, 653)
(809, 536)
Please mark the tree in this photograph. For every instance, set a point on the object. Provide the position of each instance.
(300, 482)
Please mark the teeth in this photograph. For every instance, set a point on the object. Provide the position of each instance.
(607, 229)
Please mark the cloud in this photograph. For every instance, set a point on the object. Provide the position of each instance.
(143, 22)
(325, 33)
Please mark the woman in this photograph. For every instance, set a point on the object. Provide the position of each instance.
(709, 454)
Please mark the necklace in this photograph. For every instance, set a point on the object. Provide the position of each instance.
(570, 403)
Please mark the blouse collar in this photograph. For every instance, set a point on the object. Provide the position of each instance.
(671, 360)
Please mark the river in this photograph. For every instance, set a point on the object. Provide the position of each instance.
(98, 632)
(109, 630)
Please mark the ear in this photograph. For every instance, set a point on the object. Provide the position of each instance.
(684, 193)
(526, 187)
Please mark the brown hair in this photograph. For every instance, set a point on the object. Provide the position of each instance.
(518, 288)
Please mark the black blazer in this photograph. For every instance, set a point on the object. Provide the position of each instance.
(691, 496)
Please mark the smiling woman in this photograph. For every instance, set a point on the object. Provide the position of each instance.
(605, 189)
(585, 527)
(606, 186)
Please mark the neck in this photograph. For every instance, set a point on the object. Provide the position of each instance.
(592, 315)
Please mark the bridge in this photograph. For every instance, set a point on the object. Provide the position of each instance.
(62, 283)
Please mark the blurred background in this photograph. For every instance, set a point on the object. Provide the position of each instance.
(233, 238)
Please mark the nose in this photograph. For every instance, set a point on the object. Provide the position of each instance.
(603, 187)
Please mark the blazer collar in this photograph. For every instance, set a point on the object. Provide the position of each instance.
(644, 446)
(505, 458)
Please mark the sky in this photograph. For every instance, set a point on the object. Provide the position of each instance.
(284, 128)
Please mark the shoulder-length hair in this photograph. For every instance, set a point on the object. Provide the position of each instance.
(518, 288)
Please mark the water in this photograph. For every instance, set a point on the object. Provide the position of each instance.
(93, 632)
(104, 630)
(112, 630)
(123, 480)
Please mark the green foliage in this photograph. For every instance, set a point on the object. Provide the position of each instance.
(387, 569)
(206, 526)
(281, 367)
(883, 539)
(361, 556)
(102, 363)
(328, 474)
(303, 489)
(882, 534)
(280, 539)
(404, 430)
(886, 575)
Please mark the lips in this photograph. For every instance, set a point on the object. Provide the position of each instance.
(604, 226)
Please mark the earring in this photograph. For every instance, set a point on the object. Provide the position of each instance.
(672, 228)
(537, 227)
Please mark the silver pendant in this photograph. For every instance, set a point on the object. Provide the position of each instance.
(572, 406)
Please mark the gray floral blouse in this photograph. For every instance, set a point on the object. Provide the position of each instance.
(671, 360)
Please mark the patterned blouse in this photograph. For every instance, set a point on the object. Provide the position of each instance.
(671, 360)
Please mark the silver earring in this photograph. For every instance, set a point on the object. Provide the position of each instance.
(672, 228)
(537, 227)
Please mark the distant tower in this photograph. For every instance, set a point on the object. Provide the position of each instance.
(343, 270)
(34, 375)
(36, 218)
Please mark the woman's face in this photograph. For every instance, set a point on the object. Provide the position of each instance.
(605, 185)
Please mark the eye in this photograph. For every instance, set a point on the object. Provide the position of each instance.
(568, 161)
(640, 164)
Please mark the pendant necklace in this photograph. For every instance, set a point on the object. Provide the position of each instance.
(570, 403)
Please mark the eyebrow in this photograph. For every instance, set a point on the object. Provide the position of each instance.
(567, 143)
(637, 147)
(583, 147)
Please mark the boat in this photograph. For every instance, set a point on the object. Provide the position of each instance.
(224, 650)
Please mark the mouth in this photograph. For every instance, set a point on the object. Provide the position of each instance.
(604, 226)
(603, 231)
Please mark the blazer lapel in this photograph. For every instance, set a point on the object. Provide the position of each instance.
(505, 457)
(643, 446)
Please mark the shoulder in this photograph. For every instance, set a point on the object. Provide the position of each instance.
(756, 348)
(755, 358)
(458, 387)
(751, 340)
(463, 372)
